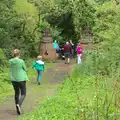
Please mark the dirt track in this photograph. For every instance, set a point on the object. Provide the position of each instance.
(52, 78)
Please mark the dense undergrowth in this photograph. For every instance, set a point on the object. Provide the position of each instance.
(85, 95)
(92, 92)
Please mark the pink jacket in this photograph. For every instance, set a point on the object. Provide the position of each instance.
(79, 50)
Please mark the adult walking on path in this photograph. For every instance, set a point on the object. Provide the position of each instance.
(79, 53)
(18, 78)
(67, 51)
(39, 66)
(72, 47)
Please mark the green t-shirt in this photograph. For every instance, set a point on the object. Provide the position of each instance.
(18, 70)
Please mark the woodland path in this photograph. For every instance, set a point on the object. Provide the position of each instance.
(52, 79)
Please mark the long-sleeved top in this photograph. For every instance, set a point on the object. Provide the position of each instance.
(79, 50)
(18, 70)
(56, 46)
(38, 65)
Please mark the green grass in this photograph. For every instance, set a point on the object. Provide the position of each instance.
(83, 96)
(64, 106)
(6, 88)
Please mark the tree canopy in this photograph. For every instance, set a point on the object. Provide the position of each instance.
(22, 22)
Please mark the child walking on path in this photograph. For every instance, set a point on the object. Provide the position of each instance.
(79, 53)
(39, 66)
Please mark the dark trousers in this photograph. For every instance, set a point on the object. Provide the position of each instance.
(20, 91)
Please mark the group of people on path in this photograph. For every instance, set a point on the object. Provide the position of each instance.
(19, 71)
(69, 51)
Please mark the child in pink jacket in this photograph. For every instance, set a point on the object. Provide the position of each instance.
(79, 53)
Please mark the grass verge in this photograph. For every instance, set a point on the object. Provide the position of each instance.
(82, 96)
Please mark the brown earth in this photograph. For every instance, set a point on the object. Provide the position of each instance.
(52, 79)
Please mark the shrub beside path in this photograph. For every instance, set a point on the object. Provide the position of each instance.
(52, 78)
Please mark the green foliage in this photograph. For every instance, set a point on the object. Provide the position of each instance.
(101, 1)
(106, 36)
(84, 95)
(71, 17)
(56, 35)
(107, 22)
(92, 92)
(5, 86)
(23, 6)
(19, 28)
(2, 57)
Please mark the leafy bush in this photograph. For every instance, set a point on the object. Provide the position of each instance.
(92, 91)
(86, 94)
(19, 28)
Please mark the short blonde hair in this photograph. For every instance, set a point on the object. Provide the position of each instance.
(16, 52)
(39, 57)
